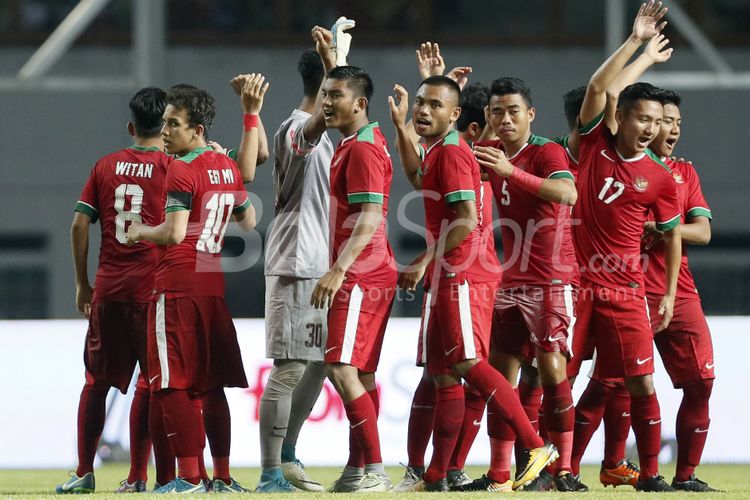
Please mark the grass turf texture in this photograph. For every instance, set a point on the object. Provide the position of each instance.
(733, 478)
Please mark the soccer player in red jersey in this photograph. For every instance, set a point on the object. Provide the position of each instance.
(619, 182)
(533, 190)
(463, 274)
(360, 285)
(123, 187)
(192, 343)
(685, 345)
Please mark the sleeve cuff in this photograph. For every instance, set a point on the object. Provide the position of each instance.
(588, 127)
(365, 198)
(561, 174)
(242, 206)
(464, 194)
(699, 212)
(86, 209)
(668, 225)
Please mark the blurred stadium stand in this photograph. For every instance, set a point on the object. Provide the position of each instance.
(50, 137)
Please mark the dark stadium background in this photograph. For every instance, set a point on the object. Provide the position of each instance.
(51, 137)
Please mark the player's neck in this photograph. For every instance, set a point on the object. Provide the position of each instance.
(512, 148)
(307, 105)
(429, 141)
(624, 150)
(152, 142)
(356, 124)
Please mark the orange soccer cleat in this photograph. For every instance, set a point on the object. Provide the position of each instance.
(624, 473)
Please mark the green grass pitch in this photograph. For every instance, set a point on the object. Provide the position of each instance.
(734, 478)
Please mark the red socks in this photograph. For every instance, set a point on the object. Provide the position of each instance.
(473, 411)
(559, 418)
(363, 426)
(531, 401)
(499, 470)
(218, 425)
(616, 425)
(183, 430)
(91, 413)
(449, 415)
(140, 442)
(356, 455)
(692, 427)
(420, 422)
(163, 455)
(646, 419)
(588, 415)
(502, 402)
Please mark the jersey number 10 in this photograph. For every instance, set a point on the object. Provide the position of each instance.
(219, 212)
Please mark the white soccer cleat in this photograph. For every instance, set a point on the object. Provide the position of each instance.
(341, 40)
(372, 482)
(411, 478)
(294, 472)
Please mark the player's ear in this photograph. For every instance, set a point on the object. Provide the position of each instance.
(475, 130)
(532, 114)
(131, 129)
(200, 130)
(456, 114)
(361, 105)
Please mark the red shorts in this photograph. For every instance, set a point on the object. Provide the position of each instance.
(115, 342)
(425, 320)
(619, 324)
(541, 315)
(356, 326)
(685, 346)
(459, 324)
(192, 345)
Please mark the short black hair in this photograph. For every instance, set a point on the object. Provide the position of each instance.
(356, 78)
(311, 70)
(443, 81)
(147, 111)
(637, 92)
(510, 85)
(474, 98)
(197, 103)
(572, 102)
(670, 97)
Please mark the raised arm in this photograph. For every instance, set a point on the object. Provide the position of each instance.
(646, 25)
(253, 90)
(79, 242)
(316, 124)
(408, 149)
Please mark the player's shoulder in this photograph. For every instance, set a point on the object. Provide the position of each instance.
(650, 158)
(545, 145)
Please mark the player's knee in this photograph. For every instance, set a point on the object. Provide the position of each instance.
(461, 368)
(698, 391)
(642, 385)
(283, 378)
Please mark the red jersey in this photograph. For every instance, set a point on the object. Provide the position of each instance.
(615, 196)
(537, 244)
(573, 166)
(692, 204)
(450, 173)
(125, 186)
(361, 172)
(209, 185)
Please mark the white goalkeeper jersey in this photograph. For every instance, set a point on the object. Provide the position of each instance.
(297, 240)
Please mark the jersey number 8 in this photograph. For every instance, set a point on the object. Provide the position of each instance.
(134, 214)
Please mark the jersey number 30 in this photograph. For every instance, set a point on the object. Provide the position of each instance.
(219, 212)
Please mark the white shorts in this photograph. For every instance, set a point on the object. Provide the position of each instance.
(294, 329)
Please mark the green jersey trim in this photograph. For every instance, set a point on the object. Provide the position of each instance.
(242, 207)
(142, 148)
(585, 129)
(461, 195)
(668, 225)
(365, 198)
(367, 133)
(651, 155)
(536, 140)
(176, 208)
(699, 212)
(561, 174)
(452, 139)
(194, 154)
(232, 153)
(87, 209)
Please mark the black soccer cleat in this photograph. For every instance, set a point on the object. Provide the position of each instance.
(653, 484)
(545, 482)
(566, 481)
(693, 484)
(484, 483)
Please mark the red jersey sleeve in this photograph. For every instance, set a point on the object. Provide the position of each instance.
(365, 175)
(696, 203)
(88, 202)
(666, 207)
(456, 175)
(553, 162)
(590, 135)
(180, 187)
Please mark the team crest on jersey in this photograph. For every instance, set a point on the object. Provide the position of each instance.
(677, 177)
(640, 183)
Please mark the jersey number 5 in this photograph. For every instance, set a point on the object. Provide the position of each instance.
(608, 183)
(219, 211)
(134, 214)
(505, 200)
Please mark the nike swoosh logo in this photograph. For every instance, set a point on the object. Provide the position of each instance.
(329, 350)
(421, 407)
(709, 366)
(151, 380)
(654, 422)
(581, 422)
(700, 431)
(625, 414)
(555, 339)
(477, 423)
(171, 434)
(604, 154)
(450, 351)
(558, 410)
(358, 424)
(641, 361)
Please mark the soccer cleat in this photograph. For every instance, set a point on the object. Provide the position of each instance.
(83, 484)
(348, 482)
(294, 472)
(545, 482)
(181, 486)
(439, 486)
(373, 482)
(411, 478)
(484, 483)
(273, 481)
(457, 477)
(565, 481)
(532, 462)
(653, 484)
(137, 486)
(219, 486)
(624, 473)
(692, 484)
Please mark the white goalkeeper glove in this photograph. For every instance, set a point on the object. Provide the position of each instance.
(342, 40)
